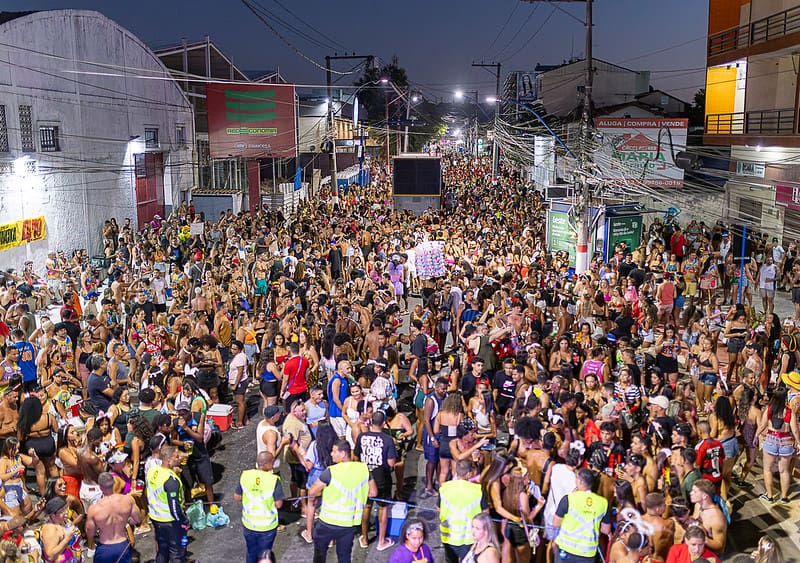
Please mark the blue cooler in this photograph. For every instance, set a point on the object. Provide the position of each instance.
(398, 511)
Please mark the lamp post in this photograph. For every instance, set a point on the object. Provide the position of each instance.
(460, 95)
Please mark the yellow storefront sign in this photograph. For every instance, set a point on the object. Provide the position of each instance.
(22, 232)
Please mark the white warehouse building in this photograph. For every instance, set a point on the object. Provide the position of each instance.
(92, 126)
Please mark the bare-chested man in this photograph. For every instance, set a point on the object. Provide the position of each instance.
(663, 528)
(373, 341)
(91, 465)
(529, 431)
(8, 413)
(109, 519)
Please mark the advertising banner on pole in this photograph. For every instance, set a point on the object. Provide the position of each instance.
(626, 229)
(560, 235)
(22, 232)
(640, 150)
(251, 120)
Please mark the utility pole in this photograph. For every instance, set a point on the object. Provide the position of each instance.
(332, 125)
(584, 201)
(584, 158)
(495, 152)
(332, 112)
(408, 117)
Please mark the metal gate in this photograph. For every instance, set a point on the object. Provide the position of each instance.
(791, 226)
(149, 171)
(750, 211)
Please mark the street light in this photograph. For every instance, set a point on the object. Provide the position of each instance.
(459, 94)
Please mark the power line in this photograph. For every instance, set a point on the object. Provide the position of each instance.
(312, 28)
(535, 33)
(513, 37)
(502, 29)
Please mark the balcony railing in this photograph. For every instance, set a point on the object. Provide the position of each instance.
(757, 122)
(772, 27)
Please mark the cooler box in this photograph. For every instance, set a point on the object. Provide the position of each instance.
(398, 511)
(222, 415)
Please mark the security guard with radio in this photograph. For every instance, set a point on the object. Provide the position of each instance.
(345, 488)
(261, 495)
(581, 517)
(459, 501)
(165, 500)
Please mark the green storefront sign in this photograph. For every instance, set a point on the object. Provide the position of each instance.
(619, 229)
(560, 236)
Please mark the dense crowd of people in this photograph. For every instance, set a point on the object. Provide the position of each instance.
(613, 412)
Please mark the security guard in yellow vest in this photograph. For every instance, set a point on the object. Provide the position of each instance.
(261, 495)
(345, 488)
(581, 516)
(459, 501)
(165, 502)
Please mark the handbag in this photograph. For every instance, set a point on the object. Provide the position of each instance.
(285, 394)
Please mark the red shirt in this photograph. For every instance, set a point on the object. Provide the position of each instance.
(677, 242)
(294, 371)
(680, 554)
(710, 455)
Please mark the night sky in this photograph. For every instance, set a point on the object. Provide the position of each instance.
(434, 40)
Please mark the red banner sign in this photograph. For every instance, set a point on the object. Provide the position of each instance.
(251, 120)
(787, 196)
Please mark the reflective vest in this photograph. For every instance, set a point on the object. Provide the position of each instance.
(157, 496)
(580, 527)
(343, 499)
(460, 501)
(258, 503)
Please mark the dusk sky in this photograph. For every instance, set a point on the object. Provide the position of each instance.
(435, 41)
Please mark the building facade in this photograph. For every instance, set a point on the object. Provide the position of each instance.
(752, 107)
(91, 127)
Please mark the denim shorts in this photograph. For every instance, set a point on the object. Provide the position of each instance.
(731, 447)
(778, 446)
(708, 379)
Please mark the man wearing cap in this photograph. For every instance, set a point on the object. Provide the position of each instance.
(661, 425)
(261, 495)
(90, 308)
(188, 433)
(165, 500)
(268, 437)
(108, 519)
(61, 541)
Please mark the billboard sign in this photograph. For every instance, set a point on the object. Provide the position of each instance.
(560, 235)
(631, 151)
(22, 232)
(526, 87)
(251, 120)
(627, 229)
(787, 196)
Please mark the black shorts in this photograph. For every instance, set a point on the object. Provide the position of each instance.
(268, 388)
(384, 492)
(203, 469)
(796, 295)
(515, 534)
(207, 379)
(735, 345)
(241, 388)
(44, 446)
(299, 475)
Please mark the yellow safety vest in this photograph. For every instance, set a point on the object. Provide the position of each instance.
(580, 527)
(258, 503)
(156, 495)
(343, 499)
(460, 501)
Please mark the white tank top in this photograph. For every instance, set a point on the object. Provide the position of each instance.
(262, 427)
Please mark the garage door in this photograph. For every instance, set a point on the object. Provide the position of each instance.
(750, 211)
(791, 226)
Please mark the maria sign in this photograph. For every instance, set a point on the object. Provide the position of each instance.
(251, 120)
(640, 150)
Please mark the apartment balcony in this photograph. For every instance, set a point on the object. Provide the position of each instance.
(773, 32)
(767, 127)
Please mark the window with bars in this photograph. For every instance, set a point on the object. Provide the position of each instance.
(48, 138)
(139, 166)
(151, 138)
(26, 129)
(180, 135)
(3, 130)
